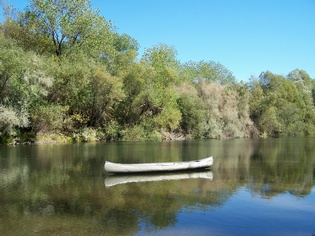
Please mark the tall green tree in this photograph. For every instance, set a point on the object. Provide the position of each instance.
(105, 92)
(191, 108)
(87, 90)
(303, 83)
(67, 26)
(279, 105)
(162, 58)
(305, 86)
(123, 56)
(23, 81)
(208, 71)
(160, 95)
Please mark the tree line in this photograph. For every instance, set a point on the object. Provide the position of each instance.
(66, 74)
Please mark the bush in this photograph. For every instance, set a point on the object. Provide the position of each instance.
(5, 139)
(47, 118)
(86, 135)
(51, 138)
(11, 119)
(111, 131)
(139, 133)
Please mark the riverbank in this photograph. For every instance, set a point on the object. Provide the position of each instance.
(87, 136)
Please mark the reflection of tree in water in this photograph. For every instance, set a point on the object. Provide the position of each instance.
(69, 193)
(150, 203)
(162, 214)
(157, 220)
(277, 167)
(121, 221)
(156, 204)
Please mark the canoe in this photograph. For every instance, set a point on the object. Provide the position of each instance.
(113, 180)
(112, 167)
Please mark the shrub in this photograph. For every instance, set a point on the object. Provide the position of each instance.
(47, 118)
(140, 133)
(11, 119)
(86, 135)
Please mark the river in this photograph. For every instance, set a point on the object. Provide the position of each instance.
(255, 187)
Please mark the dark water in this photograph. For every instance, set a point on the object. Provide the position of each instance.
(255, 187)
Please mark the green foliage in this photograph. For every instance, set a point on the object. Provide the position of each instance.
(269, 123)
(111, 131)
(140, 133)
(6, 139)
(23, 81)
(161, 56)
(207, 71)
(303, 84)
(87, 89)
(85, 135)
(124, 54)
(68, 26)
(224, 116)
(11, 118)
(15, 28)
(191, 109)
(283, 106)
(169, 118)
(150, 96)
(13, 63)
(49, 137)
(105, 91)
(65, 70)
(48, 117)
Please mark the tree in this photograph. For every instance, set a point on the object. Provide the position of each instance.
(303, 83)
(123, 56)
(87, 90)
(159, 97)
(69, 26)
(162, 58)
(105, 91)
(256, 98)
(23, 81)
(281, 106)
(9, 10)
(150, 104)
(191, 108)
(209, 71)
(224, 116)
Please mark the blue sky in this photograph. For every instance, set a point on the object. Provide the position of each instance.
(246, 36)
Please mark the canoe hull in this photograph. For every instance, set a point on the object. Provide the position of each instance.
(111, 167)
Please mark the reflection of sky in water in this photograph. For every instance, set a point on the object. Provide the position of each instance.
(244, 214)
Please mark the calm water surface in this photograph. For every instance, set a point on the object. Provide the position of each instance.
(255, 187)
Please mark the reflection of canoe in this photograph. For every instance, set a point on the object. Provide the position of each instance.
(124, 179)
(111, 167)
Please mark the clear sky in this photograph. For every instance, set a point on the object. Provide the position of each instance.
(246, 36)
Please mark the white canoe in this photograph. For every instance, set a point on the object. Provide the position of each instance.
(113, 180)
(111, 167)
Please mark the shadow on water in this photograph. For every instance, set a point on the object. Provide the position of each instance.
(59, 189)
